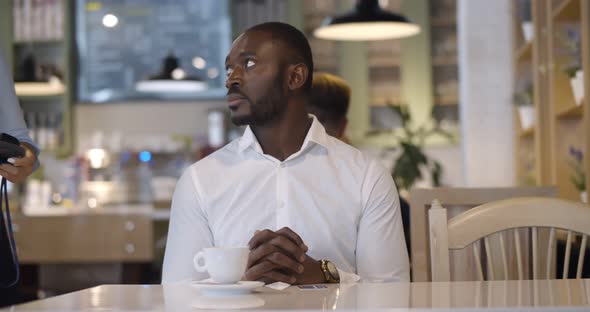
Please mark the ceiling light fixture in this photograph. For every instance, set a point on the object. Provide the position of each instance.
(366, 22)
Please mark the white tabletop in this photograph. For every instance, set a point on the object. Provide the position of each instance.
(546, 295)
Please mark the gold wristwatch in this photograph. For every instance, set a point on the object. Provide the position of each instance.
(330, 272)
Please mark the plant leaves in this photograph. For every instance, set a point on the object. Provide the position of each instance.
(436, 172)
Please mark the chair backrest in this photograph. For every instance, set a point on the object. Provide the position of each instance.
(469, 228)
(458, 200)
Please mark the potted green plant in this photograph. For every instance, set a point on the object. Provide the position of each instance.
(578, 178)
(526, 110)
(577, 83)
(412, 160)
(570, 39)
(527, 25)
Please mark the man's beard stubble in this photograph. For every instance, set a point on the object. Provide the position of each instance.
(267, 109)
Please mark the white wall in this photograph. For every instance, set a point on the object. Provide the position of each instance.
(485, 64)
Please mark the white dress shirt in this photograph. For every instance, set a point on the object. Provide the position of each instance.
(343, 204)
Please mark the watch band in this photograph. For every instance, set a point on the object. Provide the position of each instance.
(330, 272)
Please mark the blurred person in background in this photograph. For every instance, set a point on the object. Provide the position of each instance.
(17, 169)
(12, 123)
(329, 101)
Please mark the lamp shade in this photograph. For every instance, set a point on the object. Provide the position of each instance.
(366, 22)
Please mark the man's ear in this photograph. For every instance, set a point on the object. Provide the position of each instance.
(298, 74)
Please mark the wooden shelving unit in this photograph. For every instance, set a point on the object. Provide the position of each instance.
(543, 152)
(452, 100)
(525, 52)
(325, 52)
(567, 10)
(384, 61)
(443, 21)
(445, 61)
(527, 133)
(445, 68)
(576, 111)
(531, 143)
(570, 120)
(41, 98)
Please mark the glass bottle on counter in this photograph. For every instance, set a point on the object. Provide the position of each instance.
(216, 134)
(144, 178)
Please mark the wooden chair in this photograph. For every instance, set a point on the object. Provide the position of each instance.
(457, 200)
(477, 224)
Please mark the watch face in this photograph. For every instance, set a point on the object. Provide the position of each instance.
(333, 270)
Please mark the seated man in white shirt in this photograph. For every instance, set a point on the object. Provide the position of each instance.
(311, 208)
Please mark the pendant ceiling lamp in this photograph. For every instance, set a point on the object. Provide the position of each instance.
(366, 22)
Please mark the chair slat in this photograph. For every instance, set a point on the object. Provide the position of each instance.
(490, 295)
(535, 235)
(504, 257)
(490, 260)
(551, 296)
(477, 261)
(582, 284)
(550, 252)
(518, 253)
(581, 256)
(568, 252)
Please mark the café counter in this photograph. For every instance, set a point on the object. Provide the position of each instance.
(115, 234)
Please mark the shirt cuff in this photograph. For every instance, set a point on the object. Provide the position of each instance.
(347, 277)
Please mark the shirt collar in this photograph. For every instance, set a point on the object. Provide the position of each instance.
(316, 134)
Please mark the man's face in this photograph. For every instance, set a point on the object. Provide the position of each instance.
(255, 79)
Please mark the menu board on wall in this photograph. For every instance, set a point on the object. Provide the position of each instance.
(151, 49)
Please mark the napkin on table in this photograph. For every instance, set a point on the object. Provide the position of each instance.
(278, 285)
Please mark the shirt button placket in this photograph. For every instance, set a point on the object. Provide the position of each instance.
(281, 204)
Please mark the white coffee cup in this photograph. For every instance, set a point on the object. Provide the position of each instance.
(225, 265)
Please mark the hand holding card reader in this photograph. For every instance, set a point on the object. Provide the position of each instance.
(9, 147)
(9, 271)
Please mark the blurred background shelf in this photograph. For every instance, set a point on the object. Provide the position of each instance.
(527, 133)
(384, 61)
(447, 100)
(41, 98)
(39, 42)
(571, 112)
(39, 89)
(444, 61)
(567, 10)
(41, 46)
(561, 39)
(525, 52)
(446, 21)
(450, 60)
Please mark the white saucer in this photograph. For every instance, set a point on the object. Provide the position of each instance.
(209, 288)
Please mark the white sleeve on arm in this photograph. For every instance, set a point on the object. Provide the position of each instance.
(11, 116)
(188, 232)
(381, 254)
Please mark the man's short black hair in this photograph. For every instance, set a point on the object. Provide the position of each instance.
(295, 41)
(329, 98)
